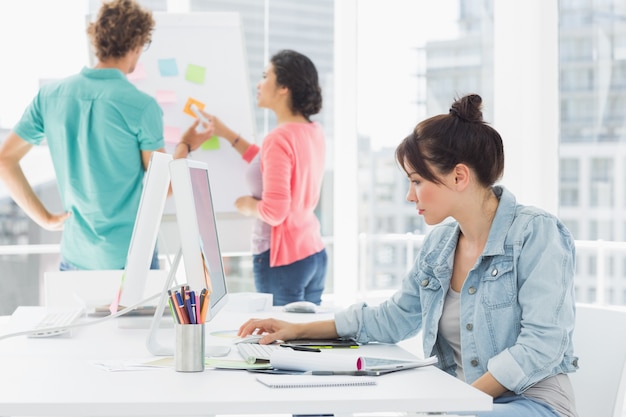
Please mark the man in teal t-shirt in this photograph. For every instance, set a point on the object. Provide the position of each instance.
(101, 131)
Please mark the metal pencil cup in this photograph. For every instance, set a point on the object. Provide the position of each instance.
(189, 353)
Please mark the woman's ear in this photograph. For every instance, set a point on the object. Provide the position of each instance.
(282, 90)
(461, 176)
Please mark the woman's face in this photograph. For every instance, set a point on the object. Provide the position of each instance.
(266, 89)
(432, 200)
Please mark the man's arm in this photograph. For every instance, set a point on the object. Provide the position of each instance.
(11, 152)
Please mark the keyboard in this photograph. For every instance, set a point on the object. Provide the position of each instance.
(52, 324)
(253, 352)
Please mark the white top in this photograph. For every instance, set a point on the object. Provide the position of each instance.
(449, 327)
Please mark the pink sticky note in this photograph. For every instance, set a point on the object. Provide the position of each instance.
(171, 134)
(166, 96)
(138, 74)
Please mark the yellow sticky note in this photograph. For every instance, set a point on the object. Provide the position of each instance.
(195, 74)
(211, 144)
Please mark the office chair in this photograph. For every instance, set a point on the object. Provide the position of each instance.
(600, 344)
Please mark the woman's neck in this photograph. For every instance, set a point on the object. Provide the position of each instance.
(475, 226)
(286, 116)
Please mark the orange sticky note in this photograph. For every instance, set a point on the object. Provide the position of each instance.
(191, 101)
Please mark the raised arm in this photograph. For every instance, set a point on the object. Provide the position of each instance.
(239, 143)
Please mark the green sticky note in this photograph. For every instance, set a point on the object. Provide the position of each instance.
(211, 144)
(195, 74)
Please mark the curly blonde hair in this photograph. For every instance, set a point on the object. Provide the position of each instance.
(121, 26)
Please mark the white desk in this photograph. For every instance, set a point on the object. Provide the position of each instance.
(57, 377)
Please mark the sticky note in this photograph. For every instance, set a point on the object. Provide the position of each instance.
(195, 74)
(168, 67)
(138, 74)
(171, 134)
(187, 108)
(211, 144)
(165, 96)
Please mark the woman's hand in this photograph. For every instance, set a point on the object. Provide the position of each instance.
(218, 125)
(247, 205)
(194, 138)
(220, 128)
(271, 328)
(274, 329)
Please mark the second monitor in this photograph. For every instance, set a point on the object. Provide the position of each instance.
(195, 214)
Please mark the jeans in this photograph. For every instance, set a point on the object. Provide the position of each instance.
(65, 265)
(301, 280)
(517, 406)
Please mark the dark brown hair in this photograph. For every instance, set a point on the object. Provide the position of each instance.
(121, 26)
(461, 136)
(298, 73)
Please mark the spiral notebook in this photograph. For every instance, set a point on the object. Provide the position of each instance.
(308, 381)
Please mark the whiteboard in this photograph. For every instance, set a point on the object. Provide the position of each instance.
(201, 57)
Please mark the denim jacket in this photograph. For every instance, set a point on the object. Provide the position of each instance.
(517, 302)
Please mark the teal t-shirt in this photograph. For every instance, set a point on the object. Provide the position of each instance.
(95, 123)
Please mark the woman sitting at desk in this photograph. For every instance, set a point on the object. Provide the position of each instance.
(492, 291)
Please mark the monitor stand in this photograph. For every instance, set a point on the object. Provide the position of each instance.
(152, 343)
(154, 346)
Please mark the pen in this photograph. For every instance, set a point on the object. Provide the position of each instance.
(331, 347)
(182, 309)
(197, 310)
(355, 373)
(205, 305)
(172, 310)
(174, 302)
(190, 300)
(202, 298)
(302, 348)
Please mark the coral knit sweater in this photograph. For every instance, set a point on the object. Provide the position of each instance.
(292, 166)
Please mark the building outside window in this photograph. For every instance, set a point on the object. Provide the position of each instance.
(430, 55)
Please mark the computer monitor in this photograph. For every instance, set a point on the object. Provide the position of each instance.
(195, 216)
(200, 249)
(145, 232)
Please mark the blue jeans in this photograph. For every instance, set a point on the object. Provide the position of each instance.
(65, 265)
(517, 406)
(301, 280)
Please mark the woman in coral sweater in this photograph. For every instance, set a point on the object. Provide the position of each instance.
(285, 178)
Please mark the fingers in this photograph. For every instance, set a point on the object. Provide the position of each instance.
(258, 326)
(220, 129)
(56, 221)
(271, 329)
(205, 114)
(249, 327)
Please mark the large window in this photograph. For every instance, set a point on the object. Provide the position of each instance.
(405, 60)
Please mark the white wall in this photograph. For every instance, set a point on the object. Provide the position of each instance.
(526, 96)
(38, 39)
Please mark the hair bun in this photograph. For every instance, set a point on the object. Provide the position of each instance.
(468, 108)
